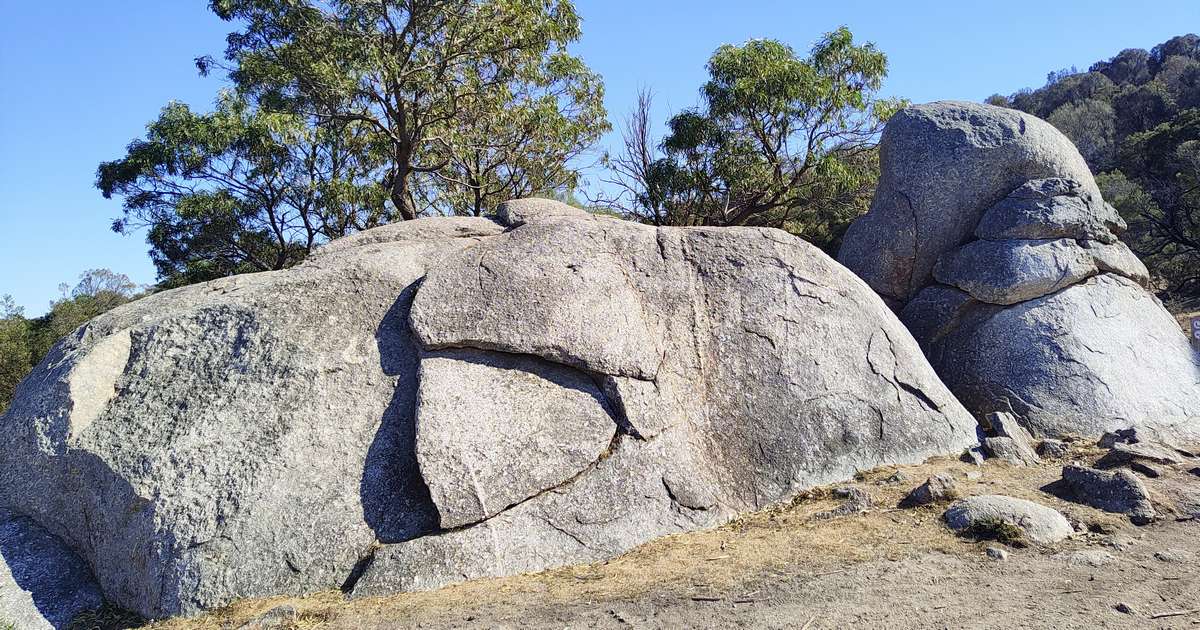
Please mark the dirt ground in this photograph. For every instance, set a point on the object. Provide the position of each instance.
(781, 568)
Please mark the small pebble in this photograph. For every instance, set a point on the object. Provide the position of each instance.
(1124, 608)
(996, 553)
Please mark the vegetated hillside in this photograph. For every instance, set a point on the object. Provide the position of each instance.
(1136, 119)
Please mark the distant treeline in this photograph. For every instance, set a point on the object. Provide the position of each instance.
(24, 342)
(1136, 120)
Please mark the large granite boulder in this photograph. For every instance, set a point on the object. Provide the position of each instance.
(943, 165)
(1033, 307)
(450, 398)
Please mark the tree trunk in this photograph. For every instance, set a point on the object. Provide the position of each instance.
(400, 191)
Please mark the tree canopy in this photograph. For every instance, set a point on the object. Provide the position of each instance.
(468, 102)
(348, 114)
(780, 140)
(1135, 119)
(24, 342)
(240, 189)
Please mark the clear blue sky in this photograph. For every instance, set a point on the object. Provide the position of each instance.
(79, 79)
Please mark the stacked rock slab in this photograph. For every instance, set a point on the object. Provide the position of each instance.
(449, 398)
(988, 234)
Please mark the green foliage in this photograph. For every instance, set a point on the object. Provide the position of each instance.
(467, 103)
(24, 342)
(240, 189)
(997, 529)
(780, 141)
(1136, 117)
(349, 114)
(15, 348)
(1092, 125)
(1165, 218)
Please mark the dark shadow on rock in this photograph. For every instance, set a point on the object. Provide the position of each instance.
(396, 502)
(58, 581)
(561, 374)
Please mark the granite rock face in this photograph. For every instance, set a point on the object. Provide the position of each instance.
(452, 398)
(943, 165)
(1004, 261)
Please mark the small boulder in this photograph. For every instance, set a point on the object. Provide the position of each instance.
(1174, 556)
(996, 553)
(1011, 450)
(1120, 492)
(895, 478)
(1038, 523)
(936, 489)
(855, 501)
(516, 212)
(1124, 454)
(1095, 558)
(278, 618)
(1008, 272)
(1008, 439)
(1053, 449)
(1118, 436)
(973, 455)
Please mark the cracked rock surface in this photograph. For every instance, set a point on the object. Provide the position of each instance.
(989, 236)
(444, 399)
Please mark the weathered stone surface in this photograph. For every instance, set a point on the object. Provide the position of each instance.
(495, 429)
(1123, 454)
(1095, 558)
(551, 290)
(631, 496)
(254, 436)
(1117, 258)
(699, 308)
(1015, 452)
(936, 489)
(942, 166)
(1033, 306)
(415, 232)
(1007, 439)
(1096, 356)
(1007, 272)
(855, 500)
(258, 435)
(1053, 449)
(43, 584)
(1040, 524)
(517, 212)
(1051, 209)
(1119, 491)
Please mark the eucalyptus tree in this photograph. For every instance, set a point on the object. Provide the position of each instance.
(780, 140)
(240, 189)
(467, 102)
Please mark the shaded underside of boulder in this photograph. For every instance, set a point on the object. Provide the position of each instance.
(466, 397)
